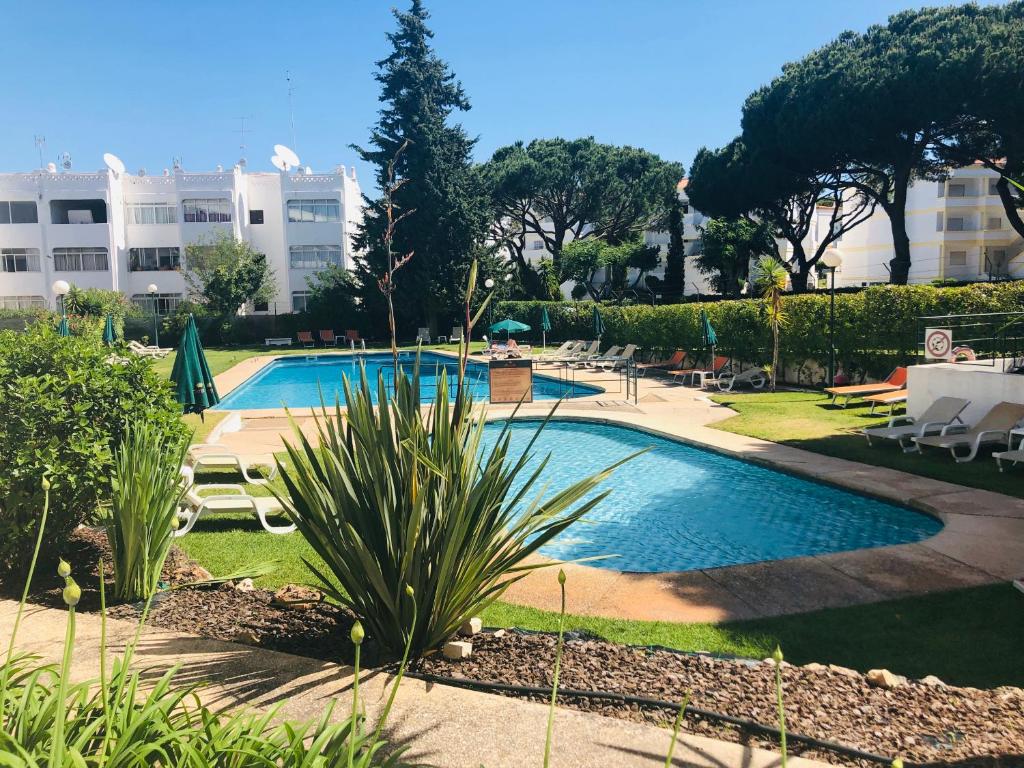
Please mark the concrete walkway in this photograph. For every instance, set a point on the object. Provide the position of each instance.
(982, 541)
(443, 726)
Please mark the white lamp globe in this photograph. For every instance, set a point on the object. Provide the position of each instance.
(151, 288)
(508, 277)
(61, 287)
(489, 283)
(831, 258)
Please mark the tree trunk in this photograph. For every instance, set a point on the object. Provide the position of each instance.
(798, 279)
(899, 266)
(1009, 200)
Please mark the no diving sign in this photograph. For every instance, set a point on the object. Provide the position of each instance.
(938, 343)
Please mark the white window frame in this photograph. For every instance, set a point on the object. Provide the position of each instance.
(954, 186)
(961, 258)
(303, 296)
(153, 255)
(314, 256)
(151, 213)
(320, 210)
(994, 222)
(951, 227)
(166, 303)
(216, 210)
(537, 245)
(6, 205)
(9, 258)
(92, 259)
(22, 302)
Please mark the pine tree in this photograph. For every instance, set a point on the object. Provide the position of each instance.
(674, 283)
(434, 177)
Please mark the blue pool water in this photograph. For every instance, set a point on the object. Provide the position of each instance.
(297, 382)
(679, 508)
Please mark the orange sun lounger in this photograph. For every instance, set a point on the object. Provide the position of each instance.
(895, 381)
(892, 399)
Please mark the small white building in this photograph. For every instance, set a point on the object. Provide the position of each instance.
(125, 231)
(957, 228)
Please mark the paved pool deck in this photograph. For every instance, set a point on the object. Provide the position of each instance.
(982, 541)
(442, 726)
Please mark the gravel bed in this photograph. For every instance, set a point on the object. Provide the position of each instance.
(932, 724)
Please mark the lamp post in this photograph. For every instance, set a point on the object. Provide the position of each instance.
(489, 284)
(831, 260)
(151, 289)
(60, 289)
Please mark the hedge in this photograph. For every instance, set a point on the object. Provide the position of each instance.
(876, 328)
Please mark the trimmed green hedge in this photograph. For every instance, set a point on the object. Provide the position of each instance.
(876, 328)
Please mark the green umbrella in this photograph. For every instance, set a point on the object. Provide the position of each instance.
(64, 329)
(108, 331)
(193, 382)
(710, 338)
(509, 326)
(545, 326)
(598, 323)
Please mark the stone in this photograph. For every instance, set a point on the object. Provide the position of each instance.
(499, 633)
(296, 596)
(245, 585)
(815, 667)
(471, 627)
(245, 637)
(845, 671)
(457, 650)
(883, 678)
(933, 681)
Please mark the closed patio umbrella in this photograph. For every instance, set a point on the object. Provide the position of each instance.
(708, 334)
(599, 328)
(108, 331)
(193, 382)
(545, 326)
(64, 329)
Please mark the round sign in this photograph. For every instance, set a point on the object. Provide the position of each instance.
(938, 343)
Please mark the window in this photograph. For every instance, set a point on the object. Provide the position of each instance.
(78, 211)
(956, 259)
(299, 300)
(153, 259)
(261, 306)
(957, 190)
(939, 221)
(20, 259)
(18, 212)
(22, 302)
(80, 260)
(314, 210)
(955, 224)
(994, 222)
(165, 303)
(256, 216)
(152, 213)
(216, 210)
(537, 245)
(992, 189)
(314, 256)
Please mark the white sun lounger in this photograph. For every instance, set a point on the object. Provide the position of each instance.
(755, 377)
(941, 413)
(567, 349)
(228, 497)
(144, 351)
(214, 456)
(994, 427)
(611, 362)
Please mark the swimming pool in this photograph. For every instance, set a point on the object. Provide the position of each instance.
(680, 508)
(297, 382)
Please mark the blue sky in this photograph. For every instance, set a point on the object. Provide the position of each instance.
(149, 81)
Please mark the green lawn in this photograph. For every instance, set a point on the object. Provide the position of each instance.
(807, 420)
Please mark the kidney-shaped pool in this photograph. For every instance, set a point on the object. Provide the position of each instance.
(680, 508)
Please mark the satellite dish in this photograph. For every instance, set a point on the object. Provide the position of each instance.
(286, 154)
(309, 170)
(278, 163)
(113, 162)
(142, 171)
(65, 161)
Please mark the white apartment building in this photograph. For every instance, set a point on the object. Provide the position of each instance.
(957, 228)
(126, 231)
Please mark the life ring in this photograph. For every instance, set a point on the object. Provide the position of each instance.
(962, 354)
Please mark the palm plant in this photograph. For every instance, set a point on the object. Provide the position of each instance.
(146, 490)
(770, 280)
(390, 497)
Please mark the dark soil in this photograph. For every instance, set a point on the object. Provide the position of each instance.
(933, 725)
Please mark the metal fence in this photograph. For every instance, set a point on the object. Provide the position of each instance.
(993, 338)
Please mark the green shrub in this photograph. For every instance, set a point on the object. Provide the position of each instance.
(147, 486)
(390, 498)
(876, 328)
(63, 409)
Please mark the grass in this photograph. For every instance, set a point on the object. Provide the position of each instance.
(966, 637)
(806, 420)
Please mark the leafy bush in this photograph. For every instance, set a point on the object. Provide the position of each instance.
(389, 498)
(63, 409)
(876, 328)
(147, 486)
